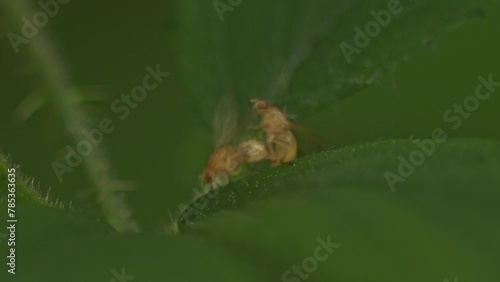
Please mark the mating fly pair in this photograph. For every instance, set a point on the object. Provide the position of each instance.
(278, 145)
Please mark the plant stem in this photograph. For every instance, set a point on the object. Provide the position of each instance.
(62, 93)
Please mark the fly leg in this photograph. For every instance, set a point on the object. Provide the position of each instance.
(286, 149)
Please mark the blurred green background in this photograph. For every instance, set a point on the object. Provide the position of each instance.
(161, 148)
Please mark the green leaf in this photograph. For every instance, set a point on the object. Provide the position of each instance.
(442, 215)
(366, 167)
(289, 51)
(439, 224)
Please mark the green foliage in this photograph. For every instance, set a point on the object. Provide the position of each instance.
(294, 46)
(438, 223)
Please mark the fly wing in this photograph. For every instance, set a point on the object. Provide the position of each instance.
(225, 122)
(308, 141)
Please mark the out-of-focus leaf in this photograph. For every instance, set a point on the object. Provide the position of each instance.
(289, 51)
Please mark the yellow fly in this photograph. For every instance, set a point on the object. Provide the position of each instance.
(280, 140)
(226, 160)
